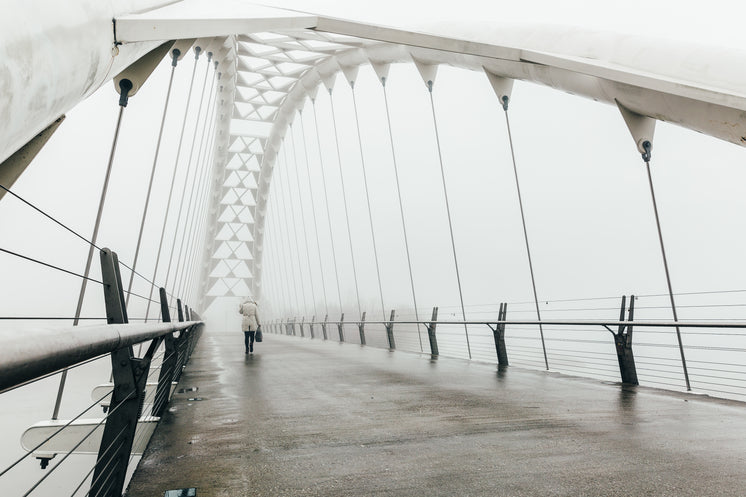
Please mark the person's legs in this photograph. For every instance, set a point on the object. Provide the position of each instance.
(246, 340)
(251, 342)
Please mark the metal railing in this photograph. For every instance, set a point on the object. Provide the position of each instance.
(714, 349)
(132, 403)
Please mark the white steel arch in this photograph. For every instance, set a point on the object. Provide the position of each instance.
(271, 60)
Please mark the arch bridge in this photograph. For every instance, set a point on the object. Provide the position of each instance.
(340, 173)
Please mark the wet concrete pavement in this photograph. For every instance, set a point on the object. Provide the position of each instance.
(307, 417)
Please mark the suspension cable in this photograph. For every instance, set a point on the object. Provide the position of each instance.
(200, 208)
(326, 201)
(188, 215)
(269, 275)
(173, 177)
(186, 176)
(303, 217)
(286, 175)
(313, 211)
(289, 266)
(344, 200)
(94, 237)
(525, 231)
(201, 178)
(448, 212)
(195, 278)
(367, 198)
(272, 243)
(55, 433)
(67, 228)
(174, 54)
(646, 158)
(401, 209)
(52, 266)
(282, 260)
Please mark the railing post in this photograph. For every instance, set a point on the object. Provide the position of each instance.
(168, 365)
(498, 332)
(187, 314)
(361, 326)
(323, 326)
(390, 330)
(623, 343)
(431, 333)
(292, 325)
(310, 326)
(340, 326)
(130, 376)
(302, 322)
(179, 310)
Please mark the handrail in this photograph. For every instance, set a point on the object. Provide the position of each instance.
(31, 354)
(669, 324)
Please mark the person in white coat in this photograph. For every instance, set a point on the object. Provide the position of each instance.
(249, 323)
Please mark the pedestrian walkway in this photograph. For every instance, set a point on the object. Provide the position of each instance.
(308, 417)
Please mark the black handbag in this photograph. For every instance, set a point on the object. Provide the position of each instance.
(258, 334)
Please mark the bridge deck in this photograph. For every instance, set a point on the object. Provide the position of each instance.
(304, 417)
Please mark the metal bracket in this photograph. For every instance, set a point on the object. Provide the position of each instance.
(130, 375)
(623, 343)
(642, 129)
(340, 325)
(361, 327)
(168, 365)
(498, 332)
(390, 330)
(431, 333)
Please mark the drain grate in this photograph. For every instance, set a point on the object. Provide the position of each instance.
(181, 492)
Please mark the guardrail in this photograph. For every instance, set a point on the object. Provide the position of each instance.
(712, 355)
(126, 428)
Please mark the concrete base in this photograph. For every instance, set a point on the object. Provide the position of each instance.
(308, 417)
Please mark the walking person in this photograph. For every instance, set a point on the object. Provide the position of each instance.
(249, 323)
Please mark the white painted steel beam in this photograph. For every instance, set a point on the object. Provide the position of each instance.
(196, 18)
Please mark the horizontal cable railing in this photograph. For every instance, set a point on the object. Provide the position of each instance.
(714, 347)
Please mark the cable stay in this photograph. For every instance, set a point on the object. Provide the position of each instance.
(201, 174)
(313, 211)
(202, 209)
(344, 198)
(367, 198)
(303, 217)
(401, 209)
(290, 205)
(175, 53)
(186, 232)
(192, 284)
(197, 51)
(283, 265)
(281, 199)
(505, 100)
(448, 212)
(125, 86)
(646, 158)
(186, 177)
(326, 202)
